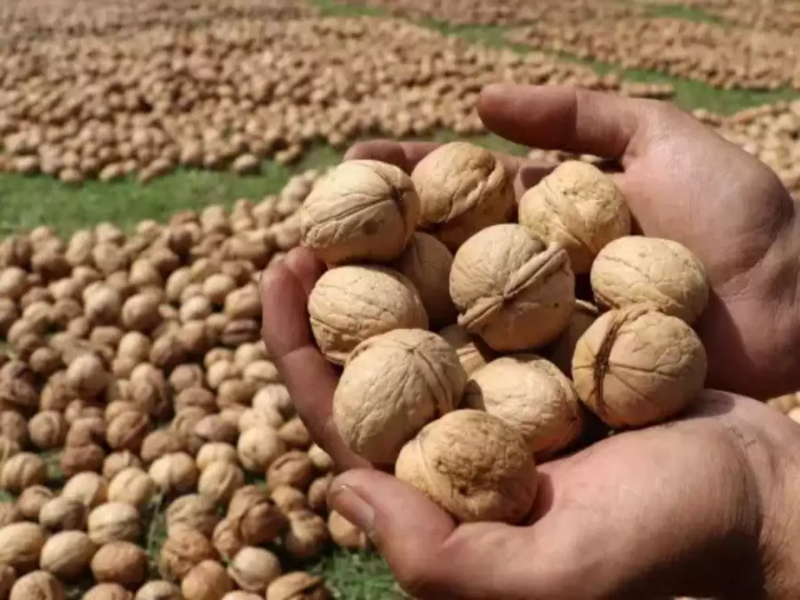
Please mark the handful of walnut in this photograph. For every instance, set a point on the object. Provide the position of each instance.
(464, 415)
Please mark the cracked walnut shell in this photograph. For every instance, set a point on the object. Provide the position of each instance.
(661, 273)
(511, 289)
(353, 303)
(462, 189)
(362, 211)
(578, 207)
(531, 395)
(636, 367)
(393, 385)
(473, 465)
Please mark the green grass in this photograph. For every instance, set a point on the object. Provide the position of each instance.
(684, 11)
(358, 576)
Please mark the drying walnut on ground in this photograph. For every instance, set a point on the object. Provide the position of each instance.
(661, 273)
(362, 211)
(346, 535)
(107, 591)
(298, 586)
(114, 521)
(175, 473)
(131, 486)
(635, 367)
(21, 544)
(38, 585)
(158, 590)
(183, 549)
(393, 384)
(531, 395)
(206, 581)
(120, 562)
(353, 303)
(462, 189)
(473, 465)
(512, 289)
(193, 511)
(578, 207)
(253, 569)
(67, 554)
(219, 481)
(21, 471)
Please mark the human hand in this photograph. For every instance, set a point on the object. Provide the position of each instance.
(682, 182)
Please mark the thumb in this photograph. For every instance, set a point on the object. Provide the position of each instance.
(429, 554)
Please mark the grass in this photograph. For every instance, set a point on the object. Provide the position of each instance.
(358, 576)
(685, 12)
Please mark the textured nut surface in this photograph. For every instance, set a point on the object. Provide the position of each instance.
(219, 481)
(298, 586)
(392, 385)
(120, 562)
(473, 465)
(307, 534)
(114, 521)
(512, 289)
(107, 591)
(531, 395)
(21, 544)
(62, 514)
(131, 486)
(253, 569)
(38, 585)
(563, 349)
(254, 517)
(67, 554)
(578, 207)
(635, 367)
(353, 303)
(258, 447)
(346, 535)
(88, 488)
(472, 352)
(183, 549)
(462, 189)
(362, 210)
(158, 590)
(206, 581)
(175, 473)
(193, 511)
(21, 471)
(426, 262)
(7, 579)
(661, 273)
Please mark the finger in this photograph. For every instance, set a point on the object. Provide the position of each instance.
(562, 118)
(430, 556)
(309, 378)
(387, 151)
(306, 267)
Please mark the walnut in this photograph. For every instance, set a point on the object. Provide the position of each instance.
(13, 283)
(236, 391)
(21, 471)
(128, 430)
(183, 549)
(21, 544)
(216, 451)
(213, 428)
(158, 590)
(298, 586)
(422, 380)
(473, 465)
(86, 430)
(167, 352)
(512, 289)
(660, 273)
(9, 514)
(45, 361)
(131, 486)
(385, 301)
(259, 447)
(90, 489)
(253, 569)
(240, 332)
(161, 442)
(47, 430)
(103, 305)
(307, 535)
(76, 459)
(175, 473)
(295, 434)
(37, 585)
(346, 535)
(193, 511)
(243, 303)
(9, 313)
(462, 189)
(59, 514)
(293, 468)
(318, 493)
(107, 591)
(206, 581)
(32, 499)
(87, 376)
(183, 425)
(563, 349)
(287, 498)
(108, 335)
(57, 393)
(219, 481)
(472, 352)
(16, 393)
(195, 308)
(67, 554)
(220, 371)
(120, 562)
(149, 395)
(227, 539)
(635, 367)
(114, 522)
(135, 345)
(261, 371)
(274, 397)
(363, 210)
(217, 287)
(255, 516)
(7, 579)
(531, 395)
(14, 427)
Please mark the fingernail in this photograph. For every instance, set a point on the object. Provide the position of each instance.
(354, 508)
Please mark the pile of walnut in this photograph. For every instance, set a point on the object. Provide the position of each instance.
(521, 365)
(134, 384)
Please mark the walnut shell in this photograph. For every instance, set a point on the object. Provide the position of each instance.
(38, 585)
(255, 517)
(47, 430)
(120, 562)
(472, 352)
(160, 443)
(214, 428)
(392, 385)
(206, 581)
(131, 486)
(32, 499)
(21, 544)
(227, 539)
(288, 498)
(295, 434)
(112, 522)
(21, 471)
(159, 590)
(7, 579)
(107, 591)
(298, 585)
(293, 468)
(562, 350)
(531, 395)
(307, 535)
(577, 207)
(318, 493)
(351, 304)
(128, 430)
(215, 451)
(9, 514)
(219, 481)
(175, 473)
(77, 459)
(473, 465)
(426, 262)
(258, 447)
(88, 488)
(62, 514)
(321, 460)
(67, 554)
(660, 273)
(253, 569)
(87, 376)
(193, 511)
(346, 535)
(511, 289)
(183, 549)
(635, 367)
(462, 189)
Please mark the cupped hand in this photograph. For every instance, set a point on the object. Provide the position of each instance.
(683, 182)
